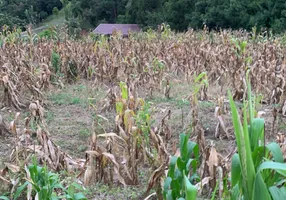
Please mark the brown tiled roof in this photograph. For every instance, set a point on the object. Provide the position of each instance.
(108, 29)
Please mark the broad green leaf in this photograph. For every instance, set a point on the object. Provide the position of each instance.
(256, 132)
(236, 122)
(247, 164)
(200, 76)
(79, 196)
(235, 193)
(278, 193)
(172, 166)
(169, 195)
(175, 185)
(260, 189)
(20, 190)
(191, 191)
(4, 198)
(188, 165)
(167, 183)
(181, 164)
(71, 190)
(124, 90)
(244, 149)
(235, 170)
(119, 108)
(278, 167)
(276, 152)
(183, 145)
(192, 148)
(258, 156)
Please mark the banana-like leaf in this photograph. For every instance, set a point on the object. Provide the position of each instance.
(235, 170)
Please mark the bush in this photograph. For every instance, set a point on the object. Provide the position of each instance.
(55, 11)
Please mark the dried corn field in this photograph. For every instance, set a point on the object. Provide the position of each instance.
(109, 111)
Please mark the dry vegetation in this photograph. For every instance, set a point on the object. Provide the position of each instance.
(142, 92)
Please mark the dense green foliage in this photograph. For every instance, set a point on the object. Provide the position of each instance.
(180, 14)
(23, 12)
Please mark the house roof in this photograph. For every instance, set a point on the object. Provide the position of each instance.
(108, 29)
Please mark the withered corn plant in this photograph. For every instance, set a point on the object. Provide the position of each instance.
(146, 58)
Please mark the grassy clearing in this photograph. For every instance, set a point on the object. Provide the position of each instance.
(53, 20)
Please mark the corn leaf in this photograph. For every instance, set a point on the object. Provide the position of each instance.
(278, 193)
(192, 148)
(256, 132)
(183, 145)
(20, 190)
(260, 189)
(244, 149)
(167, 184)
(235, 193)
(276, 152)
(190, 190)
(258, 156)
(235, 170)
(79, 196)
(173, 162)
(278, 167)
(124, 90)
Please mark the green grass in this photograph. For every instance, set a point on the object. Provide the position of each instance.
(53, 20)
(115, 192)
(64, 99)
(84, 133)
(49, 116)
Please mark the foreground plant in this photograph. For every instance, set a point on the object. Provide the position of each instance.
(45, 184)
(178, 182)
(257, 171)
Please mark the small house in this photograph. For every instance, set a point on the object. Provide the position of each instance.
(109, 29)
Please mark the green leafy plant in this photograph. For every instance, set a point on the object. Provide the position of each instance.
(178, 184)
(45, 184)
(56, 62)
(257, 171)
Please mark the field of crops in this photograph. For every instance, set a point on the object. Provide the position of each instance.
(153, 116)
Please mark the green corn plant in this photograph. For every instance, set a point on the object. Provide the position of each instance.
(56, 61)
(178, 184)
(71, 194)
(257, 171)
(45, 183)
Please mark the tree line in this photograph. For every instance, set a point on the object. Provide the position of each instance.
(179, 14)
